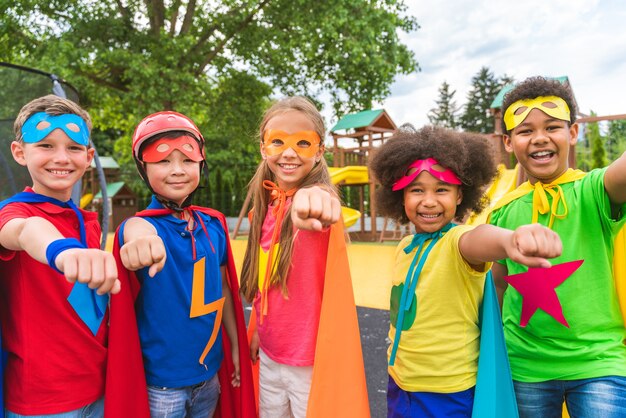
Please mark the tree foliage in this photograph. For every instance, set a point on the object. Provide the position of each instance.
(217, 62)
(485, 87)
(596, 141)
(616, 139)
(446, 112)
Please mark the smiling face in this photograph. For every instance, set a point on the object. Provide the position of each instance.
(541, 144)
(55, 163)
(429, 203)
(289, 167)
(174, 177)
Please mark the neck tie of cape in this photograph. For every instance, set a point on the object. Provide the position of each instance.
(89, 305)
(279, 196)
(541, 205)
(191, 214)
(540, 193)
(412, 276)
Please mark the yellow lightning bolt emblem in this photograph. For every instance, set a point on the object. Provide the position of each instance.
(199, 308)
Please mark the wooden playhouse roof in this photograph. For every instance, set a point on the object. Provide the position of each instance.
(365, 119)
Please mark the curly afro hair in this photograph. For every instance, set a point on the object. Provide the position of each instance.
(469, 155)
(540, 86)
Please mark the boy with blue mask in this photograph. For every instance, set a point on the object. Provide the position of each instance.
(55, 282)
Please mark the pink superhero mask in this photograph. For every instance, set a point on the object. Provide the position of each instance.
(158, 150)
(428, 164)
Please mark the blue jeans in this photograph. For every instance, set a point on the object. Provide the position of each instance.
(93, 410)
(403, 404)
(601, 397)
(187, 402)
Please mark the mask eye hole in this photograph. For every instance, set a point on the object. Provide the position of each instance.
(549, 105)
(304, 144)
(187, 147)
(162, 147)
(521, 110)
(277, 142)
(438, 168)
(43, 125)
(73, 127)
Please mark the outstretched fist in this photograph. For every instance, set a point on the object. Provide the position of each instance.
(533, 244)
(314, 208)
(94, 267)
(144, 251)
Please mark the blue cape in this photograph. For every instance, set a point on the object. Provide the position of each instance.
(494, 396)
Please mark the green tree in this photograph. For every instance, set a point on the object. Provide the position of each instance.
(596, 142)
(446, 112)
(217, 62)
(485, 87)
(616, 139)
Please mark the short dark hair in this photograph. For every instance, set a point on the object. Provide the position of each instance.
(538, 86)
(469, 155)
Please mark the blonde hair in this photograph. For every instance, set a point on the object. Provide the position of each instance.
(261, 199)
(52, 105)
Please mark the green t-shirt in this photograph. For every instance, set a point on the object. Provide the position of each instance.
(593, 345)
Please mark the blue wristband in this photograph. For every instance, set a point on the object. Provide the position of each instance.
(57, 247)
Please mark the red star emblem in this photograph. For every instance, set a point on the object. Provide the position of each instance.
(538, 288)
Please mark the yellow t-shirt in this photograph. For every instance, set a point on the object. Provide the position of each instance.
(439, 352)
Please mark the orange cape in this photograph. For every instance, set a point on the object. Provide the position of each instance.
(339, 387)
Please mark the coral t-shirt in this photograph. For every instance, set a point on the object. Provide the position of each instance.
(288, 333)
(55, 364)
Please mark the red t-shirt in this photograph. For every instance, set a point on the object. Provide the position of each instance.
(55, 364)
(288, 333)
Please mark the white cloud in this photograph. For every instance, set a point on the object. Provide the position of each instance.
(582, 39)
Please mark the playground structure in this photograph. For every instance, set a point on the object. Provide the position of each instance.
(355, 138)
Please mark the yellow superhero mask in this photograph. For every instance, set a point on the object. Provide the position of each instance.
(550, 105)
(304, 143)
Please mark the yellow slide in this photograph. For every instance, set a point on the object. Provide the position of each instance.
(506, 181)
(349, 175)
(85, 200)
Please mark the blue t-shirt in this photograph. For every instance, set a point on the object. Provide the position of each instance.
(173, 343)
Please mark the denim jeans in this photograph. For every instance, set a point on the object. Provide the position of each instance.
(403, 404)
(187, 402)
(601, 397)
(93, 410)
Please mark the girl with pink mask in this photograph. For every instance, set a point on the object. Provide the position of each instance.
(432, 178)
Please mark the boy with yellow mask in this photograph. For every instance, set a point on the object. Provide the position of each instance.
(581, 361)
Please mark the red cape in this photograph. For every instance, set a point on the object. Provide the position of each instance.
(234, 402)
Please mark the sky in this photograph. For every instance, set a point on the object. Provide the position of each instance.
(582, 39)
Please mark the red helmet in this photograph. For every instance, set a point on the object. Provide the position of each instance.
(160, 122)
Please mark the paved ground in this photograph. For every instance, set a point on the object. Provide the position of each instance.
(374, 325)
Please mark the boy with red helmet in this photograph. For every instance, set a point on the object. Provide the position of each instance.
(189, 314)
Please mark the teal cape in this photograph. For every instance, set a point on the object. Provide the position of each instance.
(494, 396)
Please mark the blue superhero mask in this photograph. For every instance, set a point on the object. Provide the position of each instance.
(73, 125)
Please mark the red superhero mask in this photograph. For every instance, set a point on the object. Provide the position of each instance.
(158, 150)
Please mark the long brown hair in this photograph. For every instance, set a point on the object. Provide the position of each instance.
(261, 199)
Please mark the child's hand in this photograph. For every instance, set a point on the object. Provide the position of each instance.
(236, 380)
(314, 208)
(532, 244)
(94, 267)
(254, 348)
(147, 250)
